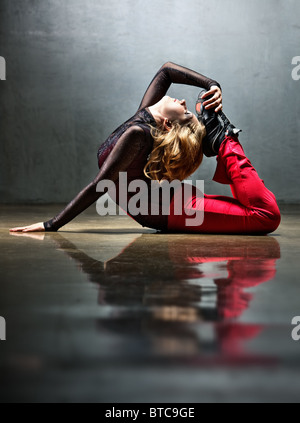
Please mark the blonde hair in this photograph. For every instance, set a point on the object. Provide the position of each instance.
(176, 153)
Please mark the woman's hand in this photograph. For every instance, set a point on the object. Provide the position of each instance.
(37, 227)
(215, 101)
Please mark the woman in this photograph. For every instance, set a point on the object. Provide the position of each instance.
(165, 141)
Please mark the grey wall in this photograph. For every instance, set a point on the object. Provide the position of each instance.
(77, 68)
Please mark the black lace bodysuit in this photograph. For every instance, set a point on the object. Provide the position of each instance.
(127, 150)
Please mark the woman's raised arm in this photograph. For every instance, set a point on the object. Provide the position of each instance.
(170, 73)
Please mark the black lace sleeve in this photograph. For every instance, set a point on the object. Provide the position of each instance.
(171, 73)
(127, 148)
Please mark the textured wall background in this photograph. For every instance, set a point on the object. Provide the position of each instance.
(77, 68)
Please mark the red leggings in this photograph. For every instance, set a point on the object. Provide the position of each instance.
(253, 210)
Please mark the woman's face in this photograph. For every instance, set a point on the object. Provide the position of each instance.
(176, 110)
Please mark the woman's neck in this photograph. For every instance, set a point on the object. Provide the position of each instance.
(156, 113)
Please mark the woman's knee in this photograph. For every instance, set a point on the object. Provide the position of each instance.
(276, 219)
(272, 213)
(273, 219)
(265, 220)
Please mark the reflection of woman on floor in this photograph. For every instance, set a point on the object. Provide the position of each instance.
(165, 141)
(155, 289)
(173, 273)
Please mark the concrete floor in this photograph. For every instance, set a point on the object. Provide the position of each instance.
(106, 311)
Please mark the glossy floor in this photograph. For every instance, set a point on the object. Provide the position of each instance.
(106, 311)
